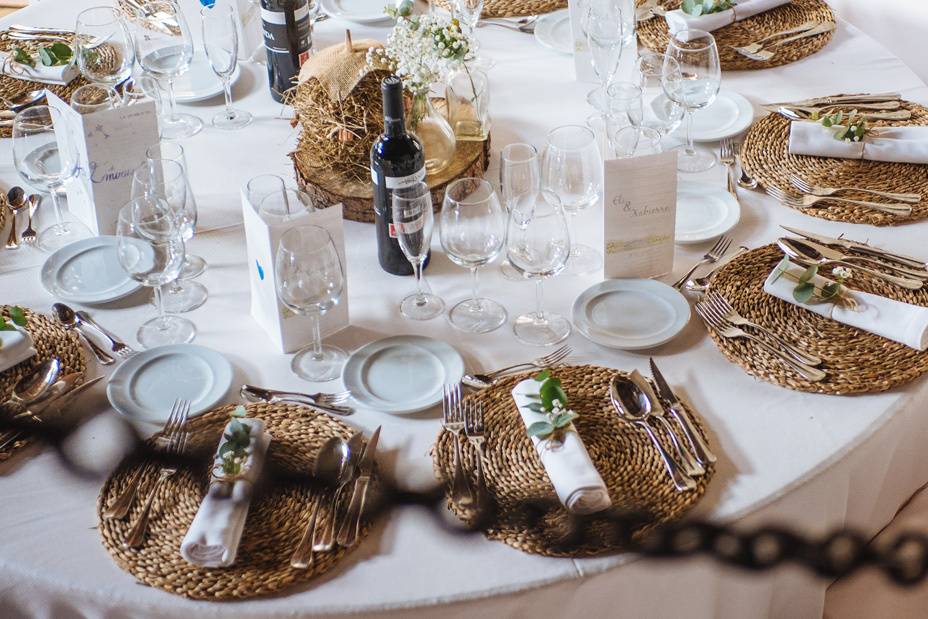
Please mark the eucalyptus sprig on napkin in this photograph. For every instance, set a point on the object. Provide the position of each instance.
(17, 319)
(54, 55)
(848, 128)
(806, 291)
(552, 401)
(235, 448)
(705, 7)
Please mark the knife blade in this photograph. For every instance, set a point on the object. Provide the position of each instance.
(862, 247)
(808, 253)
(351, 525)
(693, 436)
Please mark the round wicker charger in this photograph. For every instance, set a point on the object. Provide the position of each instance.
(277, 517)
(49, 339)
(855, 361)
(765, 156)
(513, 8)
(625, 457)
(653, 33)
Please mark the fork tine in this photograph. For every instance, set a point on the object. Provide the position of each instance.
(725, 245)
(445, 403)
(800, 184)
(718, 243)
(457, 414)
(563, 354)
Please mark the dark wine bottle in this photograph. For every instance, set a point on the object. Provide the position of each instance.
(288, 40)
(397, 160)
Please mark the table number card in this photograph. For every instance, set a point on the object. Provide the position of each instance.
(639, 215)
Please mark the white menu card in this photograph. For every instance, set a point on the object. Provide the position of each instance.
(639, 215)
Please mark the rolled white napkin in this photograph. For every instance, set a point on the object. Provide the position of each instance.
(15, 347)
(677, 20)
(214, 535)
(901, 322)
(575, 479)
(895, 144)
(60, 75)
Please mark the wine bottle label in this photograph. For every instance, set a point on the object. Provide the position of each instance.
(395, 182)
(407, 227)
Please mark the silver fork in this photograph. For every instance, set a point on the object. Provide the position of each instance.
(453, 422)
(713, 255)
(730, 331)
(474, 429)
(805, 201)
(29, 234)
(176, 445)
(756, 46)
(804, 186)
(727, 157)
(715, 302)
(116, 345)
(481, 381)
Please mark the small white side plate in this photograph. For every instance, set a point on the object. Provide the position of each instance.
(729, 115)
(704, 211)
(630, 314)
(552, 30)
(146, 385)
(87, 271)
(359, 11)
(402, 374)
(199, 82)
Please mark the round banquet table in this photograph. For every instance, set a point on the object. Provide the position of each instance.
(813, 462)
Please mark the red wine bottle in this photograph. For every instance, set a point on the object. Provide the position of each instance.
(288, 40)
(397, 160)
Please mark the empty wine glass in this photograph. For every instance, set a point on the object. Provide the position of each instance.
(520, 184)
(151, 250)
(310, 281)
(473, 233)
(46, 157)
(539, 249)
(284, 206)
(693, 82)
(635, 142)
(220, 38)
(468, 11)
(602, 24)
(413, 222)
(92, 98)
(572, 170)
(658, 111)
(259, 187)
(165, 52)
(103, 45)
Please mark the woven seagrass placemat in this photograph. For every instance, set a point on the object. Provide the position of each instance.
(49, 340)
(653, 33)
(765, 156)
(513, 8)
(276, 519)
(855, 361)
(624, 456)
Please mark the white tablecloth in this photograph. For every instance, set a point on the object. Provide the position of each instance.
(814, 462)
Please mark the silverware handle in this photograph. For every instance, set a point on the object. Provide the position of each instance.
(681, 480)
(799, 355)
(801, 28)
(120, 507)
(904, 282)
(102, 356)
(470, 381)
(136, 535)
(10, 438)
(506, 370)
(892, 209)
(327, 539)
(679, 283)
(351, 525)
(481, 479)
(688, 462)
(114, 343)
(297, 398)
(820, 29)
(903, 271)
(912, 262)
(806, 371)
(694, 436)
(302, 556)
(12, 241)
(460, 489)
(902, 197)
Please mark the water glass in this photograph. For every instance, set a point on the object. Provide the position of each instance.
(310, 280)
(260, 187)
(635, 142)
(92, 98)
(473, 233)
(283, 206)
(659, 112)
(520, 187)
(220, 39)
(103, 45)
(413, 222)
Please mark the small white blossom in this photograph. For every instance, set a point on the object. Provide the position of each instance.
(842, 273)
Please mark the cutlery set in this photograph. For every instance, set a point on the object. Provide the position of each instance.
(325, 402)
(712, 256)
(465, 418)
(79, 321)
(766, 48)
(17, 201)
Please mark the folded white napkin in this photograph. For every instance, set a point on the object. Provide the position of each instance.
(894, 320)
(677, 20)
(60, 75)
(575, 479)
(896, 144)
(15, 347)
(213, 537)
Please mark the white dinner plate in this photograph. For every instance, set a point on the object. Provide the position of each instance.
(729, 115)
(704, 211)
(146, 385)
(359, 11)
(87, 271)
(630, 314)
(199, 82)
(402, 374)
(552, 30)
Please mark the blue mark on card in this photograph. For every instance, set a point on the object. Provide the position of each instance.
(260, 270)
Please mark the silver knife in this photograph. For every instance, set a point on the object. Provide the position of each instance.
(351, 525)
(836, 99)
(700, 447)
(861, 247)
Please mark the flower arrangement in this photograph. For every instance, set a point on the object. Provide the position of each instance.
(808, 292)
(552, 401)
(705, 7)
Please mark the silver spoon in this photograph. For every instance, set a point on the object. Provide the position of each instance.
(746, 181)
(16, 200)
(34, 386)
(337, 472)
(67, 317)
(700, 284)
(27, 99)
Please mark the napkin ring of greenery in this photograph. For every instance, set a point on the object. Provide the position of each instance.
(552, 402)
(234, 451)
(17, 319)
(847, 128)
(54, 55)
(705, 7)
(808, 293)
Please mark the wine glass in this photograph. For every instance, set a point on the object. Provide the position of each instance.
(103, 45)
(92, 98)
(151, 251)
(260, 187)
(310, 281)
(636, 142)
(413, 222)
(658, 111)
(46, 157)
(165, 52)
(693, 82)
(603, 27)
(539, 248)
(572, 170)
(468, 11)
(285, 205)
(220, 39)
(473, 233)
(520, 184)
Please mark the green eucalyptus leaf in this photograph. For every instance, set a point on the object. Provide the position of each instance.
(781, 268)
(23, 57)
(226, 449)
(62, 52)
(535, 407)
(6, 326)
(688, 6)
(830, 291)
(550, 391)
(18, 316)
(564, 419)
(540, 429)
(239, 411)
(826, 122)
(803, 292)
(46, 57)
(808, 274)
(542, 376)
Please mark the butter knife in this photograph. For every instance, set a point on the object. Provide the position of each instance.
(837, 99)
(351, 524)
(861, 247)
(699, 445)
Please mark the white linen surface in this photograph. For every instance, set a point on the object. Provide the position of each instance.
(15, 347)
(893, 144)
(677, 20)
(60, 75)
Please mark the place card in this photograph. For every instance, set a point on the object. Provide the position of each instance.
(639, 215)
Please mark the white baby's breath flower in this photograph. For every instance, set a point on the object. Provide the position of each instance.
(842, 272)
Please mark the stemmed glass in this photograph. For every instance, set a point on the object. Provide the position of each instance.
(166, 53)
(92, 98)
(260, 187)
(636, 142)
(468, 11)
(310, 281)
(520, 184)
(659, 112)
(473, 233)
(46, 157)
(103, 29)
(572, 170)
(602, 24)
(413, 221)
(151, 250)
(539, 249)
(693, 82)
(220, 38)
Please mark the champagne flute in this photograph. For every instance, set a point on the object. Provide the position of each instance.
(693, 82)
(658, 111)
(473, 233)
(539, 249)
(165, 52)
(413, 222)
(520, 184)
(310, 280)
(603, 27)
(103, 45)
(220, 38)
(45, 156)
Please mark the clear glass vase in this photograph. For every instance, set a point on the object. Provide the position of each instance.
(468, 97)
(436, 134)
